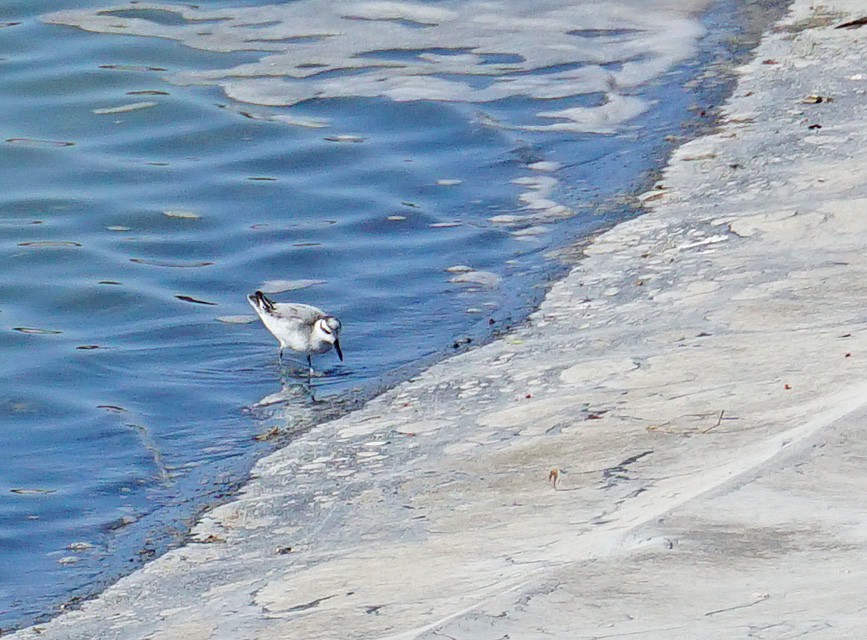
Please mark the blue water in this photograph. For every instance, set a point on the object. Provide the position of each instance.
(131, 390)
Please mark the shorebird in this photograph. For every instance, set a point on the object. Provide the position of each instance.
(299, 327)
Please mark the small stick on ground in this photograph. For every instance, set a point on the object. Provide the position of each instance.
(718, 422)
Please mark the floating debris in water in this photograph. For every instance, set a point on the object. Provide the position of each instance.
(544, 166)
(79, 546)
(113, 282)
(37, 332)
(309, 123)
(118, 228)
(444, 225)
(88, 347)
(459, 268)
(148, 92)
(182, 214)
(195, 300)
(68, 560)
(34, 142)
(507, 218)
(396, 218)
(125, 108)
(172, 265)
(537, 230)
(447, 182)
(50, 243)
(262, 179)
(484, 278)
(237, 319)
(279, 286)
(32, 492)
(345, 138)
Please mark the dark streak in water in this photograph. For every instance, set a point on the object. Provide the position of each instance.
(171, 265)
(112, 408)
(130, 67)
(195, 301)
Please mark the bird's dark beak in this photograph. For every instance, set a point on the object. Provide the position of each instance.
(338, 350)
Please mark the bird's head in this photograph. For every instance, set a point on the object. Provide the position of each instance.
(328, 328)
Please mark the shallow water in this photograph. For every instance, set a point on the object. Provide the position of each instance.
(141, 204)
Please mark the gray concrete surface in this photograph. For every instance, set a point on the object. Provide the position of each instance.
(698, 382)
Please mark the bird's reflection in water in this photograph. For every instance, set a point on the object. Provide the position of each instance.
(301, 402)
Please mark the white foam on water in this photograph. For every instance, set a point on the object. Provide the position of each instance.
(470, 51)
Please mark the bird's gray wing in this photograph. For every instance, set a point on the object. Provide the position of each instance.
(291, 312)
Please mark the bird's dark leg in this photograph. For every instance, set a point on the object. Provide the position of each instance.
(309, 369)
(281, 357)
